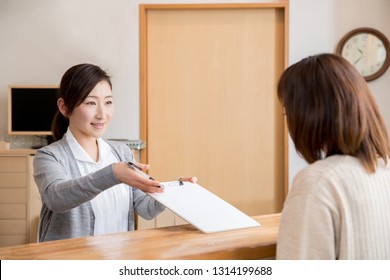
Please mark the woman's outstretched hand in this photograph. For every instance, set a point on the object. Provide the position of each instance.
(132, 177)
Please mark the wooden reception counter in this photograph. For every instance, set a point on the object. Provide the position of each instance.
(175, 242)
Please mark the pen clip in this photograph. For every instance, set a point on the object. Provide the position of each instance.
(132, 165)
(139, 170)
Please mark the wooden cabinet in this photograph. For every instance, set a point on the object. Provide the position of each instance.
(19, 198)
(20, 201)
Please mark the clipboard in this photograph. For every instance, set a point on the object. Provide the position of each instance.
(201, 208)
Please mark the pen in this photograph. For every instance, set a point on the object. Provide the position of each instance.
(139, 170)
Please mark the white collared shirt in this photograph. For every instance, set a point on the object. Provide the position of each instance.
(111, 207)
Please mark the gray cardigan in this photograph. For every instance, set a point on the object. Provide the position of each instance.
(66, 207)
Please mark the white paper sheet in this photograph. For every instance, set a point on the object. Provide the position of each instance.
(203, 209)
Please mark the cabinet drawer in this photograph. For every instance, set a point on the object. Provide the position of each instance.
(9, 227)
(12, 240)
(13, 164)
(16, 195)
(11, 180)
(13, 211)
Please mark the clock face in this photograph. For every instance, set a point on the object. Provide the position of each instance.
(366, 52)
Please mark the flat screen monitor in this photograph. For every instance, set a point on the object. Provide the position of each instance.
(31, 109)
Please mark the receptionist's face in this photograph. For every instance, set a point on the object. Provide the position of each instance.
(91, 118)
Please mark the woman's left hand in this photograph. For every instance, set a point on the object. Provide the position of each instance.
(188, 179)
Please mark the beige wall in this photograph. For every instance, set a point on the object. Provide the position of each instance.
(40, 39)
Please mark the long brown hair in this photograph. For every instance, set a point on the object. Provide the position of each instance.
(76, 84)
(330, 110)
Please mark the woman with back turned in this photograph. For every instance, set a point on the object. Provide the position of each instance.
(339, 205)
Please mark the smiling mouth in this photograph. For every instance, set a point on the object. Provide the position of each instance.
(98, 125)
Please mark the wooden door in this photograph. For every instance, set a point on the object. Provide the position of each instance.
(208, 100)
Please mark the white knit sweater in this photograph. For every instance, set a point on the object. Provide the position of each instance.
(336, 210)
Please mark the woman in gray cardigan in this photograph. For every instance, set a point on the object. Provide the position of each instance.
(84, 181)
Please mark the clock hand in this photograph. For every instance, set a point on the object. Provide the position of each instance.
(357, 60)
(360, 51)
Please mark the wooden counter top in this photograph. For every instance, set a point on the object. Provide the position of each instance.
(176, 242)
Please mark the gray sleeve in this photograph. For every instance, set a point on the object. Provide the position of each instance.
(146, 206)
(59, 191)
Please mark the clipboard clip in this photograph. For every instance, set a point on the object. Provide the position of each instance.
(177, 183)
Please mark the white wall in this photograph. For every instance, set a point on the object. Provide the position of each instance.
(40, 39)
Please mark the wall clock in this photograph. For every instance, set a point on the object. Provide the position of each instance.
(368, 50)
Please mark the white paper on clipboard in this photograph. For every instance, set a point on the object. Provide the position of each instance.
(203, 209)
